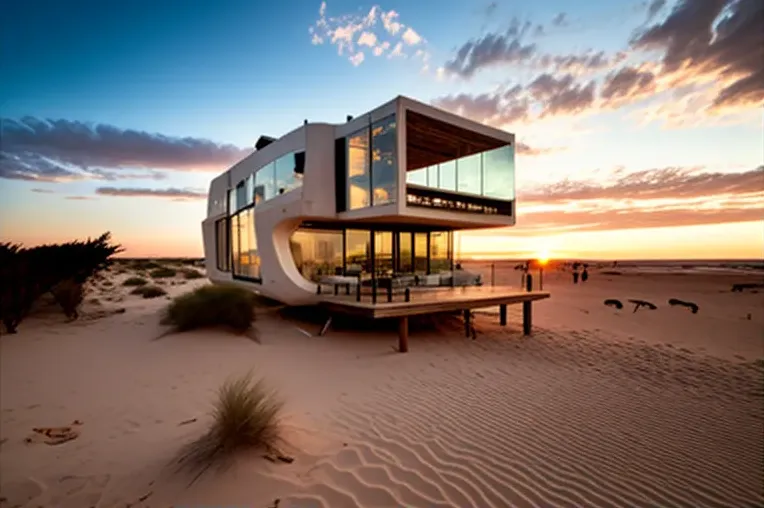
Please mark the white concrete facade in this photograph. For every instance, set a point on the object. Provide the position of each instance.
(276, 219)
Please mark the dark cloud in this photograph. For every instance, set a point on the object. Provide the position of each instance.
(42, 191)
(171, 193)
(493, 49)
(654, 7)
(670, 183)
(723, 37)
(561, 95)
(626, 84)
(55, 150)
(497, 109)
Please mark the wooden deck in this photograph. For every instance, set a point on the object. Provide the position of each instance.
(434, 301)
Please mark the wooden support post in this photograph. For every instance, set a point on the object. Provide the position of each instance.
(493, 274)
(527, 318)
(408, 295)
(467, 315)
(390, 291)
(529, 282)
(358, 290)
(503, 314)
(374, 290)
(403, 334)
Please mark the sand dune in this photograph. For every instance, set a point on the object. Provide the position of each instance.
(608, 408)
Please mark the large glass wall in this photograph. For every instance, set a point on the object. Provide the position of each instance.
(287, 174)
(358, 251)
(317, 252)
(490, 174)
(372, 168)
(221, 245)
(265, 183)
(383, 161)
(359, 182)
(246, 259)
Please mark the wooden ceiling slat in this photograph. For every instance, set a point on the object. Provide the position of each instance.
(430, 141)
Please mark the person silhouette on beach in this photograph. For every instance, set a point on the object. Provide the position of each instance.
(575, 273)
(584, 274)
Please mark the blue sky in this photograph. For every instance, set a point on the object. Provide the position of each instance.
(223, 73)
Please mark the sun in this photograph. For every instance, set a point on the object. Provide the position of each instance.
(543, 256)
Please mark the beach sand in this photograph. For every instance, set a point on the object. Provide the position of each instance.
(598, 407)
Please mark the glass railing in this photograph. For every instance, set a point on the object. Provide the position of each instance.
(490, 174)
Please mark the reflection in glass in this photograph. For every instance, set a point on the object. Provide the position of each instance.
(417, 177)
(359, 184)
(468, 170)
(221, 245)
(241, 195)
(432, 177)
(265, 183)
(286, 178)
(447, 176)
(440, 260)
(246, 259)
(231, 201)
(420, 252)
(499, 173)
(383, 161)
(383, 252)
(405, 252)
(358, 257)
(317, 252)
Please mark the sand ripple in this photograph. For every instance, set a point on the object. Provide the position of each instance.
(549, 421)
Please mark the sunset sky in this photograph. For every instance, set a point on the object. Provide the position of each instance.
(639, 123)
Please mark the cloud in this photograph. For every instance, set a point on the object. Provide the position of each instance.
(561, 95)
(80, 198)
(496, 108)
(66, 150)
(654, 7)
(665, 183)
(560, 19)
(627, 85)
(172, 193)
(42, 191)
(720, 40)
(533, 151)
(492, 49)
(378, 30)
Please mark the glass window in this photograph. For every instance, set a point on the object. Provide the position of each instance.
(432, 177)
(383, 252)
(359, 184)
(286, 178)
(231, 201)
(221, 245)
(241, 195)
(317, 252)
(447, 176)
(469, 173)
(265, 183)
(439, 256)
(384, 170)
(499, 173)
(246, 259)
(420, 252)
(405, 252)
(417, 177)
(358, 248)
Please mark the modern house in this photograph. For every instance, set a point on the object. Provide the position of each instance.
(373, 201)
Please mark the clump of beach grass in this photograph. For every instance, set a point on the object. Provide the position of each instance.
(163, 273)
(246, 416)
(135, 281)
(212, 305)
(190, 273)
(148, 291)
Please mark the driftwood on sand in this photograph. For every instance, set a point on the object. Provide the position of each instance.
(690, 305)
(612, 302)
(748, 285)
(643, 303)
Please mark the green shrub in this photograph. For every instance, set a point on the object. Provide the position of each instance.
(218, 305)
(163, 272)
(148, 291)
(190, 273)
(246, 415)
(135, 281)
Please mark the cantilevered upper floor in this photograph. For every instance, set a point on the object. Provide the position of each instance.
(402, 163)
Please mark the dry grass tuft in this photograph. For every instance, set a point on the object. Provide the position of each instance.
(246, 416)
